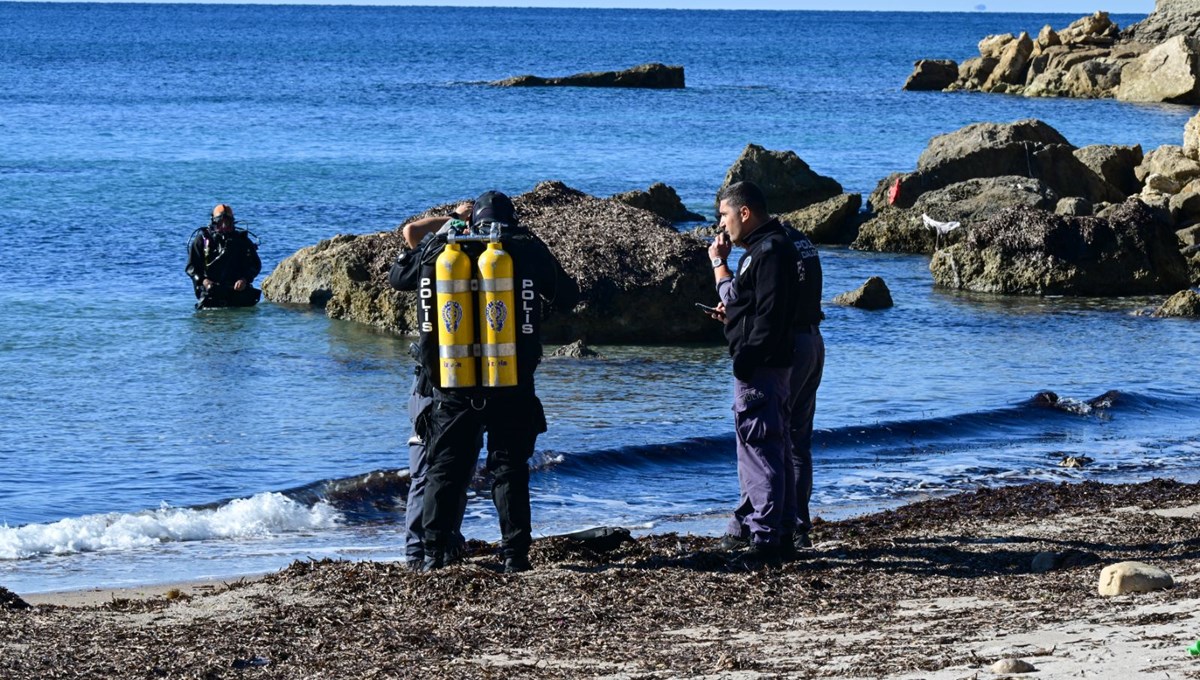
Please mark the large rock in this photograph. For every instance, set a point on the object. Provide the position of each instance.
(902, 230)
(1114, 164)
(932, 74)
(1170, 18)
(1185, 205)
(872, 295)
(1169, 161)
(973, 72)
(651, 76)
(1097, 29)
(661, 200)
(1034, 252)
(636, 288)
(1191, 138)
(786, 180)
(830, 221)
(1167, 73)
(1014, 60)
(1183, 303)
(1132, 577)
(992, 46)
(1028, 148)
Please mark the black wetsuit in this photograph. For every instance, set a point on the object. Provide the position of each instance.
(511, 416)
(224, 258)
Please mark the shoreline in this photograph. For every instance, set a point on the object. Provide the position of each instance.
(936, 589)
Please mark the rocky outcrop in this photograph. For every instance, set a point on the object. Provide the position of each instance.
(1183, 303)
(830, 221)
(1168, 73)
(636, 273)
(1034, 252)
(1027, 148)
(903, 230)
(786, 180)
(872, 295)
(1154, 60)
(932, 74)
(1114, 164)
(1170, 18)
(1170, 162)
(661, 200)
(649, 76)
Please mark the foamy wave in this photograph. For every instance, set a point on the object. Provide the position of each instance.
(261, 515)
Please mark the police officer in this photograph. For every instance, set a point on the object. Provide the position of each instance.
(222, 263)
(511, 416)
(405, 275)
(759, 309)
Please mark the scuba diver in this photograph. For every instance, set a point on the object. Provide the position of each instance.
(222, 262)
(480, 367)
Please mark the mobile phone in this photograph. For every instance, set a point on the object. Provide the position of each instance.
(706, 308)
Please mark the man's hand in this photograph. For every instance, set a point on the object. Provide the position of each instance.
(464, 210)
(207, 283)
(719, 312)
(240, 284)
(720, 247)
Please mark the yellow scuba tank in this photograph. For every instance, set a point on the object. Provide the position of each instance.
(455, 318)
(499, 341)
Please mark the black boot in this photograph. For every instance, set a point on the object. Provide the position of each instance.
(434, 559)
(515, 564)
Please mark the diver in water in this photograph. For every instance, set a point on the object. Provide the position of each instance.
(222, 263)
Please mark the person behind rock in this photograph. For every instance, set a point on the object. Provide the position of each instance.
(222, 263)
(404, 275)
(760, 312)
(511, 416)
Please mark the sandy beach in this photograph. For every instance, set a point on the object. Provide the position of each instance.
(938, 589)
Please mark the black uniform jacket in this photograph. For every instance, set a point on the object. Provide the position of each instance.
(225, 258)
(760, 321)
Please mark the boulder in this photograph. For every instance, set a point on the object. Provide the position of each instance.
(1013, 667)
(661, 200)
(651, 76)
(872, 295)
(902, 230)
(786, 180)
(1191, 138)
(992, 46)
(1193, 261)
(1028, 148)
(1168, 73)
(1097, 29)
(1183, 303)
(575, 350)
(1096, 79)
(1026, 251)
(1114, 164)
(1047, 37)
(830, 221)
(1074, 206)
(1160, 185)
(1169, 19)
(1185, 205)
(973, 72)
(635, 289)
(1171, 162)
(1132, 577)
(932, 74)
(1014, 60)
(1189, 236)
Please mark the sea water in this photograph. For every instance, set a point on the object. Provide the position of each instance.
(141, 441)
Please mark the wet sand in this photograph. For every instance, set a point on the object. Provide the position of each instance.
(938, 589)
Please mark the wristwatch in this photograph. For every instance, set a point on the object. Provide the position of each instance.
(718, 262)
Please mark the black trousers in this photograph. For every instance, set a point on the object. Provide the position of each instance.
(512, 418)
(226, 296)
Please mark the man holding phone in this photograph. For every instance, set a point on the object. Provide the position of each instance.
(808, 363)
(760, 308)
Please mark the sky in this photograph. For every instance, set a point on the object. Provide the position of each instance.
(1078, 7)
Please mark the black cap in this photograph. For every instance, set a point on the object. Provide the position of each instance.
(493, 206)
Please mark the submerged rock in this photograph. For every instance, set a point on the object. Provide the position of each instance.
(660, 199)
(1034, 252)
(872, 295)
(637, 275)
(786, 180)
(652, 76)
(1183, 303)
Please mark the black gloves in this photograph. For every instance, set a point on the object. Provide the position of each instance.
(743, 366)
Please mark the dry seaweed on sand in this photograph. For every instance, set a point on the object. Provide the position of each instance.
(911, 590)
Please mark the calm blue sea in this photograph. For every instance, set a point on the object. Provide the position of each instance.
(141, 441)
